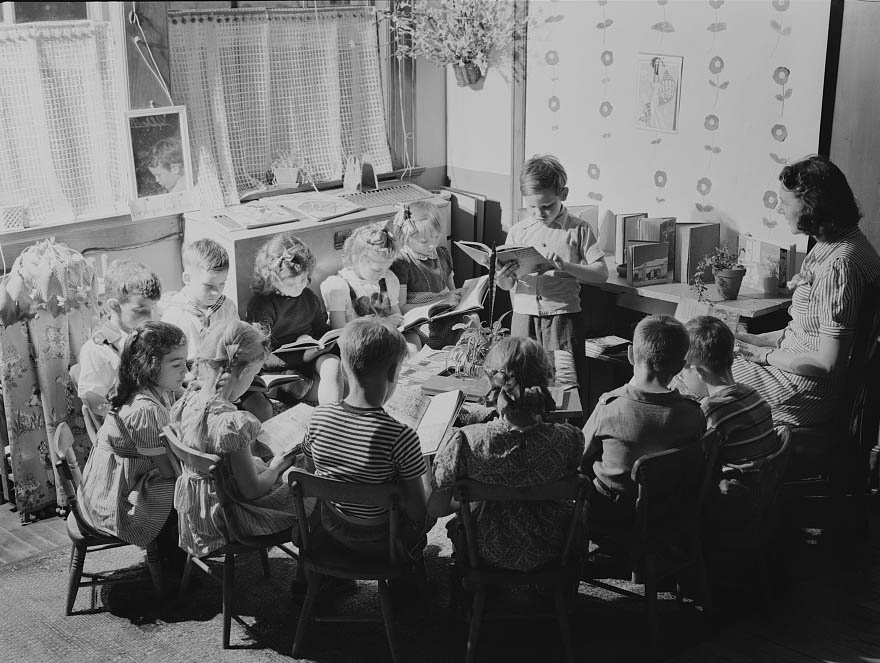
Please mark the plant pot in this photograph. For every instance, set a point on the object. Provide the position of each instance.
(729, 282)
(467, 73)
(770, 285)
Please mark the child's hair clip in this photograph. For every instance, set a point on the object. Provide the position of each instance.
(408, 218)
(232, 351)
(380, 239)
(289, 257)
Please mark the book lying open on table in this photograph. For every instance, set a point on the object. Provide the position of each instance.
(528, 257)
(306, 342)
(284, 432)
(430, 417)
(473, 292)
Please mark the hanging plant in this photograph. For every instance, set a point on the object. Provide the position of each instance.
(470, 35)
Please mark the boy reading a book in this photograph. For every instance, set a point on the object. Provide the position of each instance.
(546, 306)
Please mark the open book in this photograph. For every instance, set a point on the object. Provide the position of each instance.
(286, 431)
(317, 206)
(430, 417)
(528, 257)
(306, 342)
(266, 381)
(473, 291)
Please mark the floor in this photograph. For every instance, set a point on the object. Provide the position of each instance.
(19, 541)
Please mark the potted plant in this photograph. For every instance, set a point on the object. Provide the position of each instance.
(726, 269)
(467, 34)
(465, 358)
(770, 275)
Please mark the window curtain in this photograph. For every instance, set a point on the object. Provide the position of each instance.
(60, 121)
(268, 88)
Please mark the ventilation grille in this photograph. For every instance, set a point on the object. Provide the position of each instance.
(402, 193)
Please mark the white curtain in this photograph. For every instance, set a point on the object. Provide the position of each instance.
(277, 87)
(60, 121)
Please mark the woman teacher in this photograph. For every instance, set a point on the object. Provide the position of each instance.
(798, 369)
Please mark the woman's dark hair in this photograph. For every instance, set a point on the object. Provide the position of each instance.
(520, 368)
(141, 359)
(829, 206)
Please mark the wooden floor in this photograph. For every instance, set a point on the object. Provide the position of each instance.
(19, 541)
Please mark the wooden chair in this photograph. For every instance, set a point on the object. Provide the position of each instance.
(842, 459)
(84, 538)
(560, 575)
(321, 556)
(665, 538)
(91, 420)
(211, 466)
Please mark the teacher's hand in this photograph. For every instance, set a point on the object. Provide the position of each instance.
(753, 353)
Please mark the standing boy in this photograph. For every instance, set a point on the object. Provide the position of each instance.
(201, 302)
(131, 292)
(546, 306)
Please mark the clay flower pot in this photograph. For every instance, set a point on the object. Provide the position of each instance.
(729, 281)
(770, 285)
(467, 73)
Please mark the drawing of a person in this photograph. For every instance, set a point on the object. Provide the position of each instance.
(659, 109)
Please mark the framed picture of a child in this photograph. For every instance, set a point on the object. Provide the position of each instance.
(161, 171)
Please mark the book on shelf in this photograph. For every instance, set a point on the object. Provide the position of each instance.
(621, 222)
(306, 342)
(529, 258)
(653, 229)
(647, 263)
(473, 292)
(606, 345)
(763, 259)
(694, 241)
(431, 417)
(285, 432)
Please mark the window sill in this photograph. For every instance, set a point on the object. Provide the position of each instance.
(329, 184)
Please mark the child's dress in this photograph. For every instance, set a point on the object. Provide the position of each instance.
(347, 292)
(122, 492)
(215, 426)
(425, 280)
(288, 318)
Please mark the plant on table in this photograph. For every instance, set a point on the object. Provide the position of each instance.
(466, 357)
(726, 268)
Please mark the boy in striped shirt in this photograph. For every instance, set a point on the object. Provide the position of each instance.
(355, 440)
(738, 413)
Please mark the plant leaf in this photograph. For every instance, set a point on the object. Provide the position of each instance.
(716, 150)
(770, 223)
(788, 93)
(717, 27)
(600, 25)
(663, 26)
(785, 31)
(554, 19)
(775, 25)
(656, 141)
(780, 160)
(595, 196)
(606, 80)
(699, 207)
(606, 135)
(660, 200)
(708, 148)
(707, 208)
(609, 22)
(779, 97)
(713, 83)
(724, 85)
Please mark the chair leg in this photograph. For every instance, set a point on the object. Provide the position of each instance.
(187, 571)
(154, 562)
(651, 600)
(388, 617)
(479, 607)
(77, 562)
(564, 627)
(264, 559)
(703, 579)
(305, 615)
(228, 585)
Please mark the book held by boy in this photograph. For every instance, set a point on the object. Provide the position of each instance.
(764, 260)
(693, 242)
(473, 292)
(431, 417)
(647, 263)
(529, 258)
(284, 432)
(306, 342)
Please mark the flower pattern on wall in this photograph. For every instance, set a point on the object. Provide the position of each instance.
(781, 75)
(606, 108)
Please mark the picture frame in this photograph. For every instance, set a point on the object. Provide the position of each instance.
(658, 91)
(160, 164)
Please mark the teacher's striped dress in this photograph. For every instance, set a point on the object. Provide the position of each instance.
(825, 301)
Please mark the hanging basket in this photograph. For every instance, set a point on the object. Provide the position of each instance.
(467, 73)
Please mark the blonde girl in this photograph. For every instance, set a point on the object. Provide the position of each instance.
(289, 309)
(228, 359)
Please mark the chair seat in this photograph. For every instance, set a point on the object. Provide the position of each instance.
(544, 575)
(90, 536)
(253, 543)
(328, 557)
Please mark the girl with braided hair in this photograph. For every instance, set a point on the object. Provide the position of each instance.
(227, 361)
(519, 449)
(127, 487)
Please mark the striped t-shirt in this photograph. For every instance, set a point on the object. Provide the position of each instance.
(743, 420)
(362, 445)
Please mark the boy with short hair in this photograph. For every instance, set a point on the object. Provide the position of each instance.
(356, 440)
(738, 413)
(165, 163)
(641, 417)
(131, 293)
(201, 302)
(546, 306)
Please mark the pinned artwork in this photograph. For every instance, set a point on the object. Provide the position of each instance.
(659, 91)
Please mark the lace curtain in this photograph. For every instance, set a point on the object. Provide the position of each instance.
(60, 121)
(276, 87)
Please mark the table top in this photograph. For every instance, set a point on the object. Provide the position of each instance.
(750, 303)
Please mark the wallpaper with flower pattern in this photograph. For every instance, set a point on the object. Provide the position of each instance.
(750, 102)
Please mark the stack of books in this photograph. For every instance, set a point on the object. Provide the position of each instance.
(606, 345)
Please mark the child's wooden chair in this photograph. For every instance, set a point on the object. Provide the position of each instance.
(561, 575)
(90, 418)
(665, 538)
(84, 537)
(211, 465)
(321, 556)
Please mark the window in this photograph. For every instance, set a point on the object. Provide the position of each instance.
(29, 12)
